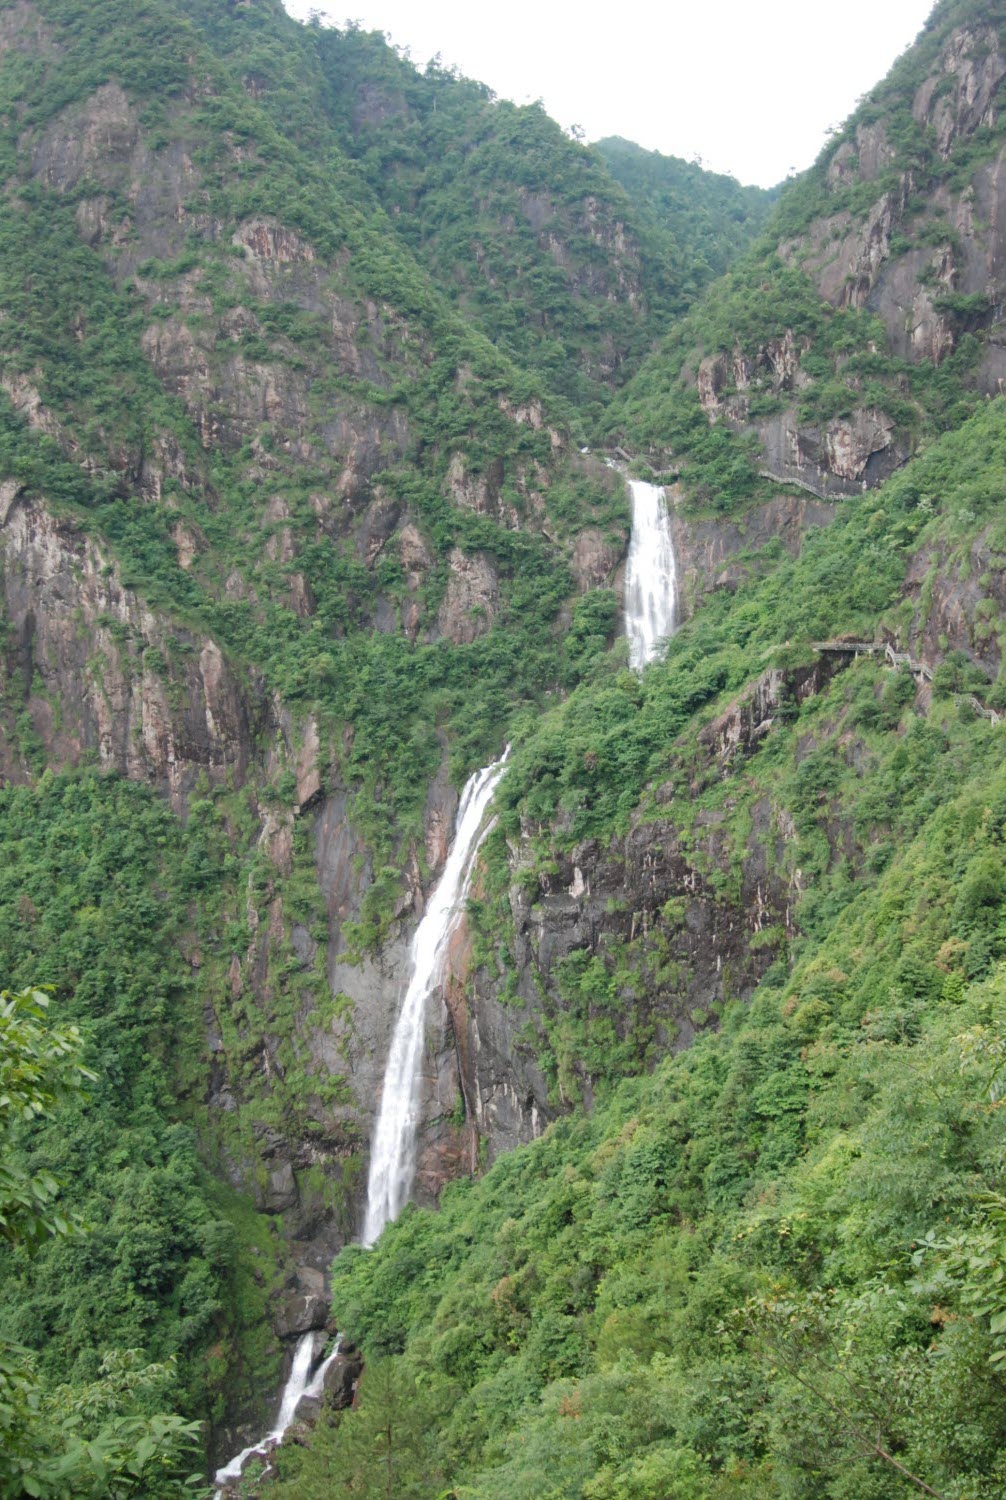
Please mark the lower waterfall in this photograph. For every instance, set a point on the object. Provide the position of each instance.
(392, 1156)
(650, 575)
(303, 1380)
(392, 1159)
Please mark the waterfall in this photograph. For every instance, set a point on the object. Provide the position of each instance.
(301, 1382)
(392, 1157)
(651, 575)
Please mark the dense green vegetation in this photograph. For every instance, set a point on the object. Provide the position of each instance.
(773, 1267)
(310, 343)
(102, 895)
(103, 1437)
(710, 217)
(479, 188)
(594, 756)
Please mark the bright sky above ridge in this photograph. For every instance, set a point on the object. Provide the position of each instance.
(751, 89)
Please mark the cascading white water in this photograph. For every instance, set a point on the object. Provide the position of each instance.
(392, 1158)
(302, 1381)
(650, 575)
(393, 1155)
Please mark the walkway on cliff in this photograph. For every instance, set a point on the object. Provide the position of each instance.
(920, 670)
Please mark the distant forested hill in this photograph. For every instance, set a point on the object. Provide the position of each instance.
(708, 215)
(570, 259)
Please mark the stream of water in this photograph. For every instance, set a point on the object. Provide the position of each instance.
(393, 1152)
(650, 575)
(304, 1380)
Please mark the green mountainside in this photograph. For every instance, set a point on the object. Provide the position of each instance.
(709, 216)
(772, 1265)
(301, 351)
(866, 317)
(527, 231)
(270, 497)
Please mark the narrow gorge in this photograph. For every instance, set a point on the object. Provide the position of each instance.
(502, 808)
(649, 621)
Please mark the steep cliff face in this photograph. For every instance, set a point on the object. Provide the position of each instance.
(722, 552)
(955, 602)
(866, 263)
(92, 675)
(869, 316)
(625, 948)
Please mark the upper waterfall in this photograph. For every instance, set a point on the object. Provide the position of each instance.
(651, 574)
(392, 1159)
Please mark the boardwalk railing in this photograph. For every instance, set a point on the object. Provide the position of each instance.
(902, 659)
(919, 669)
(979, 707)
(846, 648)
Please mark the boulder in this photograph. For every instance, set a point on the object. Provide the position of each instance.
(299, 1314)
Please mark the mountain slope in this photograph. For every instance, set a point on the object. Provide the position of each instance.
(867, 318)
(773, 1266)
(528, 231)
(209, 589)
(297, 532)
(288, 542)
(710, 216)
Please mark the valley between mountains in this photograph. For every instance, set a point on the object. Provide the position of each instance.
(502, 791)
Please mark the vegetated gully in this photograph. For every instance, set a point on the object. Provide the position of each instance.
(650, 599)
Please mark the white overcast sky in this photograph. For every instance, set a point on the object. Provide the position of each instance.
(750, 88)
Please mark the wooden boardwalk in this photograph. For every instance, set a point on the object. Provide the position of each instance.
(920, 670)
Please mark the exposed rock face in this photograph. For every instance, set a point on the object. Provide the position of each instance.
(851, 442)
(830, 461)
(852, 262)
(91, 141)
(927, 289)
(104, 677)
(871, 155)
(599, 894)
(299, 1314)
(358, 1042)
(958, 601)
(737, 731)
(22, 29)
(716, 946)
(721, 551)
(504, 1090)
(774, 366)
(471, 601)
(481, 492)
(974, 66)
(844, 257)
(846, 456)
(340, 1380)
(595, 558)
(233, 397)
